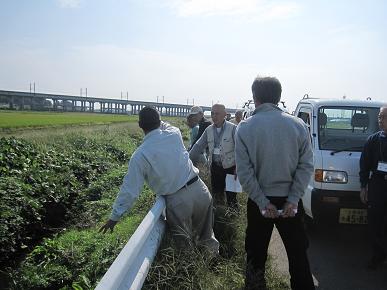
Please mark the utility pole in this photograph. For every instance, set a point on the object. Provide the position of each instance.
(157, 99)
(127, 96)
(121, 95)
(81, 93)
(163, 100)
(34, 88)
(193, 101)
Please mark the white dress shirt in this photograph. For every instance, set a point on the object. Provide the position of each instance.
(162, 161)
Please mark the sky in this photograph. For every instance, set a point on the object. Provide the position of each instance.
(194, 51)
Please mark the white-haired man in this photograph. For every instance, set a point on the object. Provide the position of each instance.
(219, 139)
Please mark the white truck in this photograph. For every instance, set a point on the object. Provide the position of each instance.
(338, 131)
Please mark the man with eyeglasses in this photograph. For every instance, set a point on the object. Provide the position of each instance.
(374, 189)
(220, 141)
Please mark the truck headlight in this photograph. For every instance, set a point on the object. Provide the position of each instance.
(330, 176)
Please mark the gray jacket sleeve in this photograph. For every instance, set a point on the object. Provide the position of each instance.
(246, 173)
(199, 147)
(304, 169)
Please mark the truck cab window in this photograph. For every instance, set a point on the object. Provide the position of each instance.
(342, 128)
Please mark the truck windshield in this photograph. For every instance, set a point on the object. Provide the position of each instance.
(346, 128)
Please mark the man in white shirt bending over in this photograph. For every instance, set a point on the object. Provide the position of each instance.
(163, 162)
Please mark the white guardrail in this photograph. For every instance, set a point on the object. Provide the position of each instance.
(132, 265)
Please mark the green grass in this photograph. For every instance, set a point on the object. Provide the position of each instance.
(17, 119)
(77, 257)
(50, 181)
(192, 269)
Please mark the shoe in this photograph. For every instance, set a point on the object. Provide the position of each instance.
(255, 279)
(375, 262)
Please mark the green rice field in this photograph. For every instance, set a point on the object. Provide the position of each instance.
(17, 119)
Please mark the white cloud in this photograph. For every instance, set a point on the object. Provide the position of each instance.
(212, 7)
(69, 3)
(279, 11)
(253, 9)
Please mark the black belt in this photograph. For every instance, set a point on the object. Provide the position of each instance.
(190, 181)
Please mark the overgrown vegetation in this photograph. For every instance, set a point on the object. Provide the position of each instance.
(41, 188)
(78, 258)
(194, 269)
(61, 186)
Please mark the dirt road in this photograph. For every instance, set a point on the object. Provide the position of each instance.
(337, 255)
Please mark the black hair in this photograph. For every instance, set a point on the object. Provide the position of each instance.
(267, 90)
(149, 119)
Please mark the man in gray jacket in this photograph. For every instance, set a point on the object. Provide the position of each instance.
(219, 139)
(274, 164)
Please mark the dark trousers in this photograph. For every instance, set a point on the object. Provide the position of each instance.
(377, 214)
(218, 185)
(292, 232)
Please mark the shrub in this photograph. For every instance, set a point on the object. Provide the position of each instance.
(76, 256)
(42, 186)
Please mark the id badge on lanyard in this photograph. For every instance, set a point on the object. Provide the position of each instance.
(217, 151)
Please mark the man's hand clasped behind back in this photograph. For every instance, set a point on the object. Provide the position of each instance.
(290, 210)
(271, 211)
